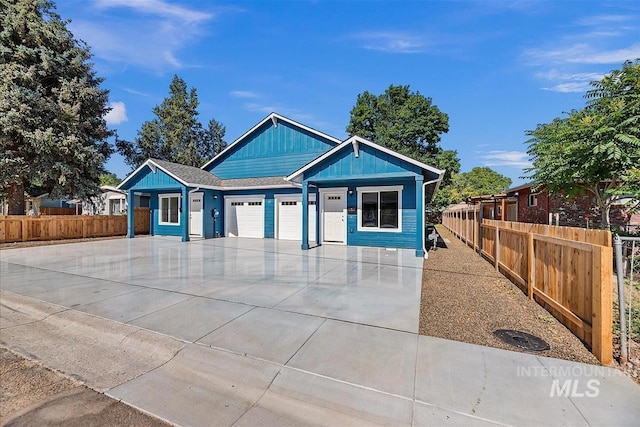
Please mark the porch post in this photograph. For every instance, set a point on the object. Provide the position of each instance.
(131, 224)
(318, 216)
(305, 215)
(184, 215)
(420, 205)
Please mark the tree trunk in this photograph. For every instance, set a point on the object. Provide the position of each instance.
(16, 198)
(604, 211)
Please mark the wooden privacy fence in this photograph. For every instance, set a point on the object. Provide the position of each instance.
(26, 228)
(566, 270)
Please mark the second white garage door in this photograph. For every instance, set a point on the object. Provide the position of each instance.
(289, 218)
(244, 217)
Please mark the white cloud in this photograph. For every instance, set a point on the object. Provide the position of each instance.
(148, 34)
(243, 94)
(582, 53)
(507, 158)
(569, 82)
(391, 41)
(157, 7)
(590, 47)
(118, 113)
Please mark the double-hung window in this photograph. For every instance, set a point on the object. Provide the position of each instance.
(380, 209)
(169, 209)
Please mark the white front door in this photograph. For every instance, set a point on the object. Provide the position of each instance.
(195, 214)
(333, 217)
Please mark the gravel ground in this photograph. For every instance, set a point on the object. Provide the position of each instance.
(33, 395)
(465, 299)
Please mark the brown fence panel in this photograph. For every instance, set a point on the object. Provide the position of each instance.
(566, 270)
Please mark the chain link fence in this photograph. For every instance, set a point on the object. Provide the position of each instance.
(627, 303)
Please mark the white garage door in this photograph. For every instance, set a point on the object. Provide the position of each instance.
(244, 217)
(289, 213)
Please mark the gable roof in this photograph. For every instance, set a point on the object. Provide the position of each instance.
(189, 176)
(358, 140)
(274, 117)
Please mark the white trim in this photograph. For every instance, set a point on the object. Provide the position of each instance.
(169, 195)
(321, 193)
(378, 189)
(247, 198)
(272, 116)
(262, 187)
(284, 197)
(531, 197)
(152, 165)
(357, 139)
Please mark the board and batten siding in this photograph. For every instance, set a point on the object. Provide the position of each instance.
(270, 151)
(370, 162)
(146, 180)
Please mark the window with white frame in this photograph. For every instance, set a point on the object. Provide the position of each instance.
(380, 208)
(533, 199)
(169, 209)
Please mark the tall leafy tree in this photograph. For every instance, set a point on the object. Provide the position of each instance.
(175, 134)
(597, 149)
(404, 121)
(52, 129)
(109, 178)
(477, 182)
(408, 123)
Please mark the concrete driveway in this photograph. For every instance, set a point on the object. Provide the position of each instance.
(258, 332)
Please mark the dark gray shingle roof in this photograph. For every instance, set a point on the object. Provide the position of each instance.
(189, 174)
(256, 182)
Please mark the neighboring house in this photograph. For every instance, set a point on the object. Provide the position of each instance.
(34, 204)
(287, 181)
(111, 201)
(524, 205)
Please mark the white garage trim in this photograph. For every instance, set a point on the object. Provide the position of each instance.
(288, 209)
(250, 222)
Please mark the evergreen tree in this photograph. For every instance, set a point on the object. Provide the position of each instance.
(52, 129)
(175, 134)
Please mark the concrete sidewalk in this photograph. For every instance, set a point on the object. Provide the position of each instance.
(255, 332)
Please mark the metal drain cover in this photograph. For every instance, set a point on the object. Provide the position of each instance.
(521, 340)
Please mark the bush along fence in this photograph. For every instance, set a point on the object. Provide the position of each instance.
(567, 270)
(19, 228)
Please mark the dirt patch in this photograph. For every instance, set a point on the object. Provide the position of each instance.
(465, 299)
(17, 245)
(31, 394)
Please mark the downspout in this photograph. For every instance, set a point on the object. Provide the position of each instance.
(424, 206)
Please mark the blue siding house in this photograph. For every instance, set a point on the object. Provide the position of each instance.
(287, 181)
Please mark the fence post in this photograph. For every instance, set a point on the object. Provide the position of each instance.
(617, 244)
(531, 265)
(25, 228)
(602, 306)
(497, 251)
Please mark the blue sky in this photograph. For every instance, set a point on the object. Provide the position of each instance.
(497, 68)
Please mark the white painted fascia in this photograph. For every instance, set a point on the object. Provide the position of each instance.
(355, 140)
